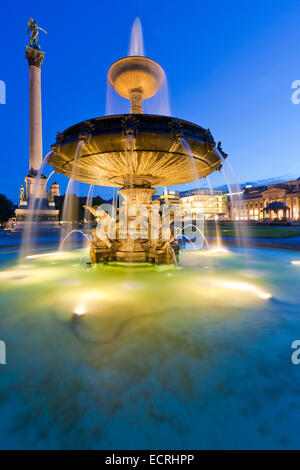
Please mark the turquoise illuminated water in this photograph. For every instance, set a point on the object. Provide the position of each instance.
(192, 357)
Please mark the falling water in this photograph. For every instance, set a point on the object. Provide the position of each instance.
(89, 202)
(85, 235)
(115, 200)
(235, 194)
(159, 103)
(136, 45)
(190, 158)
(27, 236)
(115, 104)
(68, 207)
(166, 194)
(43, 196)
(212, 193)
(194, 169)
(197, 229)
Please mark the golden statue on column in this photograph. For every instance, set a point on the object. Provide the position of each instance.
(34, 36)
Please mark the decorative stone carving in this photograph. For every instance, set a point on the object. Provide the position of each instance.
(219, 147)
(209, 140)
(56, 148)
(35, 57)
(59, 138)
(85, 131)
(175, 127)
(130, 125)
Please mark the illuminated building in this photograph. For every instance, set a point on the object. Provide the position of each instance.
(214, 205)
(255, 202)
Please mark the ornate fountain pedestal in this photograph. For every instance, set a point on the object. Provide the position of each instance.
(133, 252)
(134, 241)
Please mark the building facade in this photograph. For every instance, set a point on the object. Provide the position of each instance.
(212, 203)
(255, 203)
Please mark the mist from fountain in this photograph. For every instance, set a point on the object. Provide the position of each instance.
(27, 235)
(197, 229)
(89, 201)
(68, 212)
(85, 235)
(196, 180)
(218, 234)
(43, 196)
(235, 193)
(160, 102)
(157, 104)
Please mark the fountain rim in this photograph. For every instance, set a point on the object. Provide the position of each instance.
(140, 127)
(143, 116)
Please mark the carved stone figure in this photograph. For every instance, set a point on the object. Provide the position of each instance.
(50, 195)
(34, 35)
(219, 147)
(22, 193)
(100, 237)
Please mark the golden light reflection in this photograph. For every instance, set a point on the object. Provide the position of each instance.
(79, 310)
(297, 263)
(218, 250)
(46, 255)
(214, 251)
(244, 287)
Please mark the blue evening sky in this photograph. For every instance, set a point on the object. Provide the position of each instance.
(230, 65)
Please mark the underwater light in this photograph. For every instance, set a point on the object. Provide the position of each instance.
(218, 250)
(296, 263)
(243, 286)
(44, 255)
(212, 251)
(79, 311)
(264, 295)
(131, 285)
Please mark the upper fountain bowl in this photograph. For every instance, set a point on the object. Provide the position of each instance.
(136, 73)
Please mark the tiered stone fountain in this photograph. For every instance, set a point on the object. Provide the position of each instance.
(136, 152)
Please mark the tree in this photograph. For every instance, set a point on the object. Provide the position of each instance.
(7, 208)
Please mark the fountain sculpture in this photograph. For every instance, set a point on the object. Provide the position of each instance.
(135, 152)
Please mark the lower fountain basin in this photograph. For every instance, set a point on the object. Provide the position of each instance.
(137, 149)
(99, 349)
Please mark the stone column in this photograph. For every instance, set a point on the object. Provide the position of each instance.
(136, 101)
(35, 59)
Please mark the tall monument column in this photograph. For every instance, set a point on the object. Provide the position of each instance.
(42, 209)
(35, 59)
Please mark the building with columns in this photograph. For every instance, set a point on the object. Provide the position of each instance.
(212, 203)
(55, 189)
(255, 203)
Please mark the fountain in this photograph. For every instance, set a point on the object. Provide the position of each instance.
(109, 357)
(136, 152)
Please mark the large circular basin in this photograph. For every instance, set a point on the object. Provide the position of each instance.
(136, 149)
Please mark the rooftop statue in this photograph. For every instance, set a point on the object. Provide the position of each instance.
(22, 193)
(34, 36)
(50, 195)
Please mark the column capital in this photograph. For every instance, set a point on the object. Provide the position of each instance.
(34, 56)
